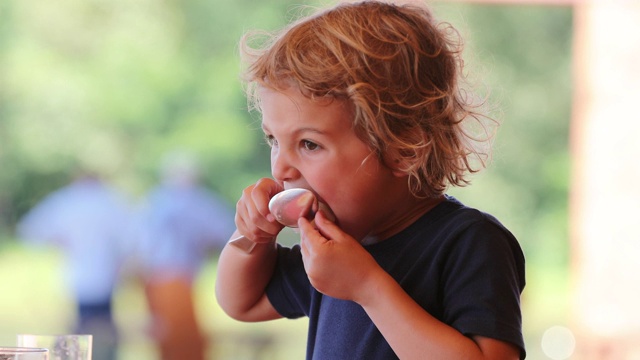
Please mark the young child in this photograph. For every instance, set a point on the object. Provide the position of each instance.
(361, 105)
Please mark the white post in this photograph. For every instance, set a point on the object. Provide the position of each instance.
(605, 190)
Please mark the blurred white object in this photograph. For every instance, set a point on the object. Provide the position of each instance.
(23, 353)
(61, 347)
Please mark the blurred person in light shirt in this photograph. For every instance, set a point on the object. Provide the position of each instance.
(89, 222)
(182, 225)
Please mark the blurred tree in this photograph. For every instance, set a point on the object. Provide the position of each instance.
(114, 84)
(523, 54)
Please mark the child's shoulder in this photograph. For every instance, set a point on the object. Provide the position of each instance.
(454, 216)
(456, 208)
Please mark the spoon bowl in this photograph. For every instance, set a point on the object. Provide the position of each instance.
(287, 207)
(290, 205)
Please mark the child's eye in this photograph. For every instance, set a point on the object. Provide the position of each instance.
(270, 140)
(309, 145)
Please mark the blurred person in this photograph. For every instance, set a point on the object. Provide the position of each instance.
(88, 221)
(182, 225)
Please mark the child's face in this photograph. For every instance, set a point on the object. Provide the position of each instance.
(314, 146)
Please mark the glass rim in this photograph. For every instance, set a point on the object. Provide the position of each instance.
(22, 350)
(49, 335)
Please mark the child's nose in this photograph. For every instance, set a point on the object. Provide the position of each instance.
(282, 168)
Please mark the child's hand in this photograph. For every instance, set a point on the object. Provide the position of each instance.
(336, 264)
(253, 218)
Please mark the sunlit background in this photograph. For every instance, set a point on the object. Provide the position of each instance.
(114, 84)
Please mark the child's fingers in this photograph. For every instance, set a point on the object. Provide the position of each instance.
(261, 193)
(310, 240)
(307, 232)
(320, 225)
(326, 227)
(317, 233)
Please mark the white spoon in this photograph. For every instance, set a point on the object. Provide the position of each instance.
(287, 207)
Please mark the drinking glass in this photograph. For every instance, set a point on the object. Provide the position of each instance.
(23, 353)
(61, 347)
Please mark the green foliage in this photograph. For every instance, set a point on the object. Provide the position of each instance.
(113, 85)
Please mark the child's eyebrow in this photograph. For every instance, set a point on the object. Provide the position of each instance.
(299, 131)
(308, 129)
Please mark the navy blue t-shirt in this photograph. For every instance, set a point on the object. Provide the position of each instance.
(459, 264)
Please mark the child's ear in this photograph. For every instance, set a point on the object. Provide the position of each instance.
(399, 167)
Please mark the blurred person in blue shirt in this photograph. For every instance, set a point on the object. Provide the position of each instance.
(89, 221)
(182, 225)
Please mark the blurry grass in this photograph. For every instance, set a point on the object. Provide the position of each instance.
(34, 301)
(546, 303)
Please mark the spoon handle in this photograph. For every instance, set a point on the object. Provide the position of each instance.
(243, 243)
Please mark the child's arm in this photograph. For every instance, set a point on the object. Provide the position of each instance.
(242, 277)
(241, 281)
(342, 268)
(412, 332)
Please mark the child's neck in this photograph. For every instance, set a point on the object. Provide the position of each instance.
(411, 215)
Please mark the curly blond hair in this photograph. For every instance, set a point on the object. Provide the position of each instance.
(401, 71)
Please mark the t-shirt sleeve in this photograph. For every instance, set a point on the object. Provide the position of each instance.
(485, 278)
(289, 289)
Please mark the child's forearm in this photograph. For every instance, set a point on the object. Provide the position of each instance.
(241, 281)
(412, 332)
